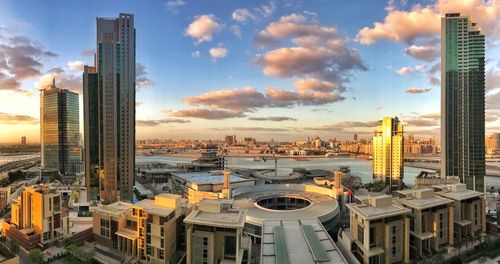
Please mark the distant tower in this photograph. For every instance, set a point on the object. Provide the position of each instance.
(59, 130)
(462, 101)
(388, 160)
(23, 140)
(355, 137)
(109, 105)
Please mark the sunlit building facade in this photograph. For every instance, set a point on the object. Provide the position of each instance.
(462, 100)
(388, 158)
(60, 130)
(110, 128)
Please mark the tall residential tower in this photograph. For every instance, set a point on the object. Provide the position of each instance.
(60, 130)
(462, 101)
(388, 160)
(109, 105)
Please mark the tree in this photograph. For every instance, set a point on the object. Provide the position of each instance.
(13, 246)
(67, 241)
(36, 255)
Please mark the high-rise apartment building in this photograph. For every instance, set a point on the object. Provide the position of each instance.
(493, 144)
(462, 100)
(388, 160)
(109, 92)
(60, 130)
(23, 140)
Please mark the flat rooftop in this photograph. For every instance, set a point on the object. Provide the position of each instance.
(370, 212)
(208, 177)
(151, 208)
(424, 203)
(458, 194)
(298, 241)
(226, 217)
(116, 208)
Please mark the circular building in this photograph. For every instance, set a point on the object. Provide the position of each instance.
(270, 202)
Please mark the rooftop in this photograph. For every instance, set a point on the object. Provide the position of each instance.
(298, 241)
(377, 207)
(116, 208)
(207, 177)
(151, 208)
(218, 213)
(415, 199)
(457, 192)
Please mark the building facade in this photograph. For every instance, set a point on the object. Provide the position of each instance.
(388, 157)
(462, 100)
(60, 130)
(36, 217)
(379, 232)
(493, 144)
(214, 234)
(149, 230)
(114, 102)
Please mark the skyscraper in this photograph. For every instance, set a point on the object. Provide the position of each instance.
(110, 129)
(388, 160)
(60, 130)
(462, 101)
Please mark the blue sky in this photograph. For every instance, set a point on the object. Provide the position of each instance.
(361, 71)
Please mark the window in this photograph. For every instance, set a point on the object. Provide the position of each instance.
(161, 254)
(229, 246)
(148, 250)
(162, 231)
(361, 234)
(148, 228)
(394, 240)
(373, 236)
(205, 241)
(148, 239)
(105, 230)
(162, 243)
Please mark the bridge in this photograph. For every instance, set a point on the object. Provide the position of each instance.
(17, 164)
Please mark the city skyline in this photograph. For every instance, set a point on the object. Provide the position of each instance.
(274, 69)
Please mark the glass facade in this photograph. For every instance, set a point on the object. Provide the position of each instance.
(91, 131)
(60, 130)
(462, 106)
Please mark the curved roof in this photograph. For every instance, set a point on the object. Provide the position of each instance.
(323, 205)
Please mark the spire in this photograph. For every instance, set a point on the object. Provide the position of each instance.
(54, 82)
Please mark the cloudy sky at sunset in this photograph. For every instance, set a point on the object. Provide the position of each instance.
(268, 69)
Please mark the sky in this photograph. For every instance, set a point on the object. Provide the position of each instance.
(281, 70)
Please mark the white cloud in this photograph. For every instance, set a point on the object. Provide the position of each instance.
(417, 90)
(218, 53)
(236, 30)
(242, 15)
(76, 65)
(203, 27)
(404, 70)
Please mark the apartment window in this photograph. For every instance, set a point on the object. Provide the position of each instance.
(105, 230)
(394, 239)
(148, 250)
(373, 236)
(162, 231)
(162, 243)
(148, 228)
(50, 204)
(46, 236)
(148, 239)
(361, 234)
(205, 241)
(476, 215)
(161, 254)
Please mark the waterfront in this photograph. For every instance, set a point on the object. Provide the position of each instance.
(359, 167)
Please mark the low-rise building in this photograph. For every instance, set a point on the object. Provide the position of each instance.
(36, 218)
(469, 215)
(379, 232)
(196, 186)
(149, 230)
(4, 197)
(214, 234)
(431, 227)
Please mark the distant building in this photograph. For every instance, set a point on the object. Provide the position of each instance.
(23, 140)
(462, 100)
(4, 198)
(230, 140)
(60, 130)
(109, 105)
(388, 157)
(214, 234)
(36, 218)
(493, 144)
(149, 230)
(428, 179)
(355, 137)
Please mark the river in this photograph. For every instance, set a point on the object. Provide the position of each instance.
(359, 167)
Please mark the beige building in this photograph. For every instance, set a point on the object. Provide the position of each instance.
(379, 232)
(469, 215)
(388, 158)
(214, 234)
(431, 221)
(36, 217)
(493, 144)
(148, 230)
(4, 197)
(196, 186)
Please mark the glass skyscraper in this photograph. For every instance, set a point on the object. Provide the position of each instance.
(60, 130)
(109, 105)
(462, 101)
